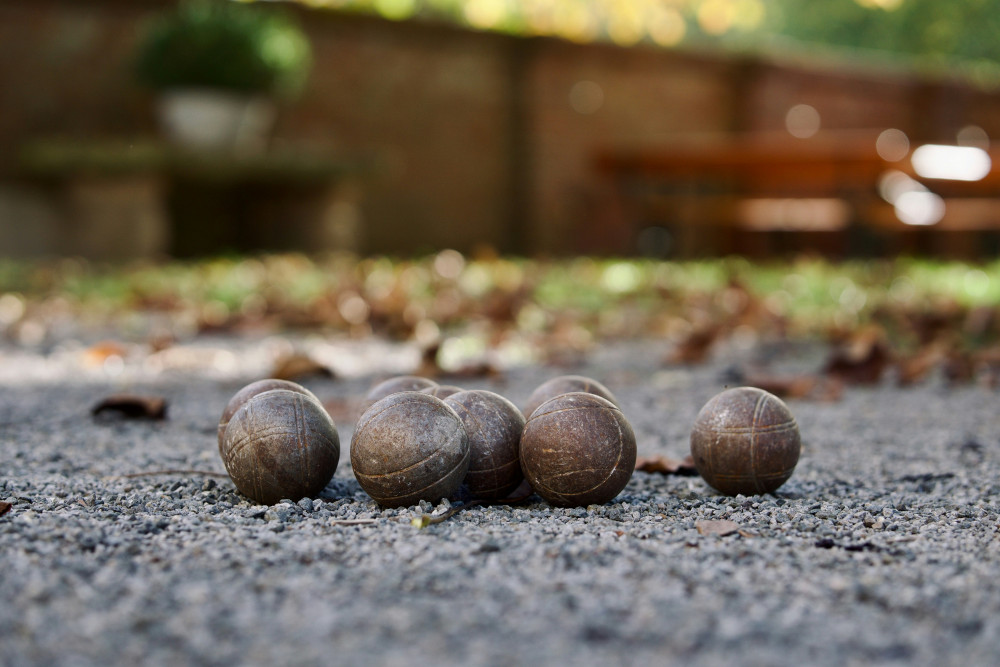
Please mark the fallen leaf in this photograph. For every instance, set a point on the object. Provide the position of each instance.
(988, 362)
(959, 367)
(297, 366)
(809, 387)
(861, 359)
(694, 348)
(4, 508)
(915, 368)
(160, 342)
(667, 466)
(481, 369)
(929, 325)
(429, 366)
(979, 321)
(720, 527)
(96, 355)
(132, 406)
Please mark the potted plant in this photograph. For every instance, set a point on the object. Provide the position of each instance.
(219, 66)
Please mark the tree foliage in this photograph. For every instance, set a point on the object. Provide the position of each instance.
(930, 31)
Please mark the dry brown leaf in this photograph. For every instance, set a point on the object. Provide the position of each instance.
(720, 527)
(4, 508)
(161, 342)
(988, 362)
(297, 366)
(808, 387)
(667, 466)
(959, 367)
(97, 354)
(916, 368)
(481, 369)
(861, 359)
(930, 325)
(979, 321)
(133, 406)
(694, 348)
(429, 366)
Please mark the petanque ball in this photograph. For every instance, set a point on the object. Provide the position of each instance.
(394, 385)
(280, 444)
(494, 427)
(409, 447)
(578, 449)
(251, 390)
(745, 440)
(565, 384)
(441, 391)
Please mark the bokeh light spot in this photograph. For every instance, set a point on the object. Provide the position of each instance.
(666, 26)
(802, 121)
(485, 13)
(892, 145)
(396, 9)
(586, 97)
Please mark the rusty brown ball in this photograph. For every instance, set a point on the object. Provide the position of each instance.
(745, 440)
(251, 390)
(441, 391)
(409, 447)
(565, 384)
(494, 427)
(578, 449)
(394, 385)
(280, 444)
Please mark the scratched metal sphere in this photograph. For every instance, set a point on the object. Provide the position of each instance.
(409, 447)
(280, 444)
(494, 427)
(441, 391)
(565, 384)
(745, 440)
(578, 449)
(251, 390)
(394, 385)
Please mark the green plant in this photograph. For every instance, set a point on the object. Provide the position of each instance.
(227, 45)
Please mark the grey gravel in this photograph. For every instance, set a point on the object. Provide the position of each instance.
(881, 549)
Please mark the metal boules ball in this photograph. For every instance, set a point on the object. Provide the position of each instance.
(394, 385)
(251, 390)
(745, 440)
(280, 444)
(565, 384)
(494, 427)
(409, 447)
(578, 449)
(441, 391)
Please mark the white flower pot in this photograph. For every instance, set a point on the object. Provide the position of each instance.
(212, 120)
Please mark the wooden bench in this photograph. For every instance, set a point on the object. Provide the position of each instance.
(767, 194)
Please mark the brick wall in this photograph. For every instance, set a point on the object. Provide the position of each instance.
(483, 139)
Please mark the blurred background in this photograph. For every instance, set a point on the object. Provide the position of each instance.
(665, 128)
(496, 183)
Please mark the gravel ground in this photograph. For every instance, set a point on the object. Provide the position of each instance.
(880, 550)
